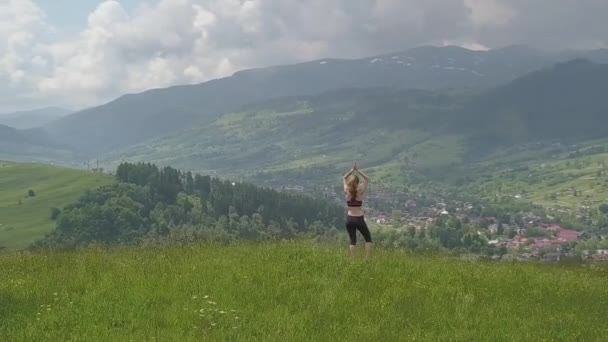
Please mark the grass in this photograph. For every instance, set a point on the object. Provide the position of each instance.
(551, 182)
(292, 291)
(21, 224)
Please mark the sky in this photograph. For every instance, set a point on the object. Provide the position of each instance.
(79, 53)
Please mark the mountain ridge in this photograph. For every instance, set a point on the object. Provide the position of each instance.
(135, 118)
(34, 118)
(392, 126)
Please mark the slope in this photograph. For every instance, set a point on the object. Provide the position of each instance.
(325, 131)
(429, 131)
(24, 219)
(293, 292)
(134, 118)
(566, 102)
(33, 118)
(558, 176)
(31, 145)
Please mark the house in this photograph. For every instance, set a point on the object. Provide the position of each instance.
(493, 228)
(566, 235)
(381, 219)
(541, 243)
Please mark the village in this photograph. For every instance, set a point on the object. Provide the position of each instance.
(531, 237)
(554, 243)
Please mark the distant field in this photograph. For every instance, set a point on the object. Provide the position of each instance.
(20, 224)
(293, 291)
(552, 183)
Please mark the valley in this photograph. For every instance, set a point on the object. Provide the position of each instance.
(525, 141)
(198, 170)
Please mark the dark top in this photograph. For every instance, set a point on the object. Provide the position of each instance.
(354, 203)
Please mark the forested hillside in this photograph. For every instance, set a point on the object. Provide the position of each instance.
(151, 204)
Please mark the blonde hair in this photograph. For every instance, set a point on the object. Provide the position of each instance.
(352, 182)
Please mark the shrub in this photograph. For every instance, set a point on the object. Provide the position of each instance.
(55, 213)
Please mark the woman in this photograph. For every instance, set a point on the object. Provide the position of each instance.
(355, 189)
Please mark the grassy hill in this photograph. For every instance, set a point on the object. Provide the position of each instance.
(20, 224)
(293, 292)
(553, 180)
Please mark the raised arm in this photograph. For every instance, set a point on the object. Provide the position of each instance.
(346, 176)
(365, 181)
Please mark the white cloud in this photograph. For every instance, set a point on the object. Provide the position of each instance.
(490, 12)
(167, 42)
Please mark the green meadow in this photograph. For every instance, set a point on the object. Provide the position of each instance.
(24, 219)
(292, 291)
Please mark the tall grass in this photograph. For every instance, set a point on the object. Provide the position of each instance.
(292, 291)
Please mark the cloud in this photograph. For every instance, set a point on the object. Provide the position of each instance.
(549, 24)
(167, 42)
(22, 27)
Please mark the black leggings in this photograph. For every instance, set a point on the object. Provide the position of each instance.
(354, 223)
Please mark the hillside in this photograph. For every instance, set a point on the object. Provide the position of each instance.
(21, 224)
(293, 292)
(32, 118)
(31, 145)
(555, 176)
(151, 204)
(134, 118)
(390, 128)
(329, 130)
(565, 103)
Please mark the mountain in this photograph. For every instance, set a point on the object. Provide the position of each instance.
(389, 127)
(314, 131)
(566, 102)
(31, 145)
(33, 118)
(134, 118)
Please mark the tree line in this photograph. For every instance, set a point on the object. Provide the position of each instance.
(149, 203)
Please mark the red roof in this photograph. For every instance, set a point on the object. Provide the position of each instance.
(568, 235)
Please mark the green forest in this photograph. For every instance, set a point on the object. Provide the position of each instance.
(149, 203)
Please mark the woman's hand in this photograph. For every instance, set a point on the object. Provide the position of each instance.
(356, 166)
